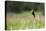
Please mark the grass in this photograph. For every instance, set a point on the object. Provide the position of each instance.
(23, 21)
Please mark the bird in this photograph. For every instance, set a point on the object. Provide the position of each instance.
(33, 17)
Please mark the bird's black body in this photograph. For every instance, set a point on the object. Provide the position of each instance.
(33, 14)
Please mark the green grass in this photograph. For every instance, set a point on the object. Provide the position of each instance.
(21, 25)
(24, 22)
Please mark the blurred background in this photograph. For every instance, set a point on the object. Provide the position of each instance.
(19, 7)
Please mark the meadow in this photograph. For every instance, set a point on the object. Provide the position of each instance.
(25, 21)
